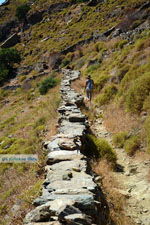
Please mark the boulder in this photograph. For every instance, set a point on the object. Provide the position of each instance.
(35, 17)
(56, 7)
(39, 214)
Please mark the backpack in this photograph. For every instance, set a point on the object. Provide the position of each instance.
(89, 85)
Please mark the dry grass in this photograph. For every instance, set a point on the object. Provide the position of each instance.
(116, 201)
(112, 42)
(79, 85)
(117, 120)
(17, 182)
(16, 179)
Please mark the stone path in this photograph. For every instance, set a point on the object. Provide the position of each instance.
(133, 178)
(69, 195)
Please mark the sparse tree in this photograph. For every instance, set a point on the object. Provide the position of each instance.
(8, 57)
(21, 12)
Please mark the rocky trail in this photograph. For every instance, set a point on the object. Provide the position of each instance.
(70, 194)
(132, 177)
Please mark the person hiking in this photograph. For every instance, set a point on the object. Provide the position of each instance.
(89, 87)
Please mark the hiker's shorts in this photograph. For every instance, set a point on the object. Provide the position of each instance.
(89, 93)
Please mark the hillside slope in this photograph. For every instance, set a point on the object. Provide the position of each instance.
(110, 40)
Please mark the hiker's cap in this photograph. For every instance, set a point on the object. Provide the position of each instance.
(89, 76)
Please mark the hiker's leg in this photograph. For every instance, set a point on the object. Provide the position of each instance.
(90, 95)
(86, 93)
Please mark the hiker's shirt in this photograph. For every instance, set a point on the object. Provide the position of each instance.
(89, 85)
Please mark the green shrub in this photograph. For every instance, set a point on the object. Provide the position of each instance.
(147, 132)
(6, 194)
(3, 94)
(119, 139)
(108, 93)
(4, 74)
(6, 142)
(100, 148)
(3, 211)
(40, 121)
(100, 46)
(120, 44)
(146, 105)
(8, 57)
(8, 122)
(47, 84)
(137, 93)
(134, 72)
(93, 68)
(141, 44)
(122, 71)
(101, 81)
(132, 145)
(79, 63)
(39, 130)
(22, 11)
(65, 62)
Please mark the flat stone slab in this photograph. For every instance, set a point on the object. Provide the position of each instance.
(66, 166)
(64, 108)
(85, 202)
(63, 155)
(73, 129)
(77, 117)
(75, 182)
(78, 219)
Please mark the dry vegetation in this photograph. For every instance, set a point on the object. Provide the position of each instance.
(27, 119)
(116, 201)
(116, 119)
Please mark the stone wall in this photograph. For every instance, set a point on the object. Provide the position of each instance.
(69, 195)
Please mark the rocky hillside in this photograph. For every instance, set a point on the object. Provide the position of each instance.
(108, 39)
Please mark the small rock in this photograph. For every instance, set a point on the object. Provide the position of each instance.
(76, 169)
(98, 179)
(77, 219)
(67, 176)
